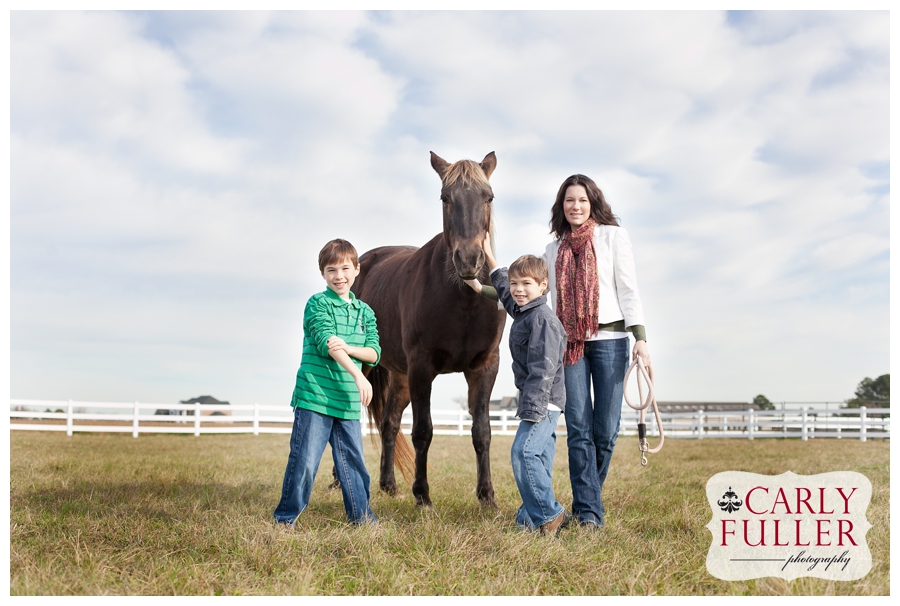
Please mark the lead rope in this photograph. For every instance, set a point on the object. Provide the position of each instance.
(642, 408)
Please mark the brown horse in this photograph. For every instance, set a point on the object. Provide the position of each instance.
(431, 323)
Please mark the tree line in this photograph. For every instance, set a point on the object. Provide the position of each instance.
(871, 393)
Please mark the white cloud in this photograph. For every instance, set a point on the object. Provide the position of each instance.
(88, 79)
(849, 250)
(174, 175)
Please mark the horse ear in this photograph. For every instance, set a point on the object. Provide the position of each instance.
(439, 165)
(489, 164)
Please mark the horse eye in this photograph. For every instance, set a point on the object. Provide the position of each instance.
(491, 199)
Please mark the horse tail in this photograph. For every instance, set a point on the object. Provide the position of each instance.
(404, 455)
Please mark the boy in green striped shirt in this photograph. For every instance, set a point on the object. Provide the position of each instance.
(339, 334)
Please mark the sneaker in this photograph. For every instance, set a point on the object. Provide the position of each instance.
(285, 526)
(555, 525)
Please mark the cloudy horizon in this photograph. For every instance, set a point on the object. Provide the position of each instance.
(174, 174)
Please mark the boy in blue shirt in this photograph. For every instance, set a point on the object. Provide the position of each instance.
(339, 334)
(537, 342)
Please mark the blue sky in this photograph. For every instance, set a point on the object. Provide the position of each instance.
(174, 174)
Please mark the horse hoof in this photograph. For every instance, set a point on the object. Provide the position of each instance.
(334, 485)
(486, 498)
(423, 501)
(390, 490)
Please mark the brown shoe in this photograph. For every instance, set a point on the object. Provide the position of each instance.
(557, 524)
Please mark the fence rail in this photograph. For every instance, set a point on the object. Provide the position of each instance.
(198, 419)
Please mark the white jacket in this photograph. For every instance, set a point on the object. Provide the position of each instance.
(619, 296)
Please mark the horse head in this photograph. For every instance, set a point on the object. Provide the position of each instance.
(467, 199)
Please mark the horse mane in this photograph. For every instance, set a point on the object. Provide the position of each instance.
(468, 171)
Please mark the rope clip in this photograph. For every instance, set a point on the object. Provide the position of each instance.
(644, 403)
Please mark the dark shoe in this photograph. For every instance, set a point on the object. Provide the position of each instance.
(555, 525)
(285, 526)
(366, 521)
(585, 525)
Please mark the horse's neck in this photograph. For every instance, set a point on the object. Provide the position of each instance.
(440, 266)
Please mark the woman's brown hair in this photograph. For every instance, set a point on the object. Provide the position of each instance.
(600, 210)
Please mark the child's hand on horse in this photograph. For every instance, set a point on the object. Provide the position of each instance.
(488, 253)
(486, 243)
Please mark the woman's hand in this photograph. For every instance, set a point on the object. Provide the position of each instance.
(474, 284)
(640, 349)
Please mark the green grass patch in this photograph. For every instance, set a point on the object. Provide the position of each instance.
(100, 514)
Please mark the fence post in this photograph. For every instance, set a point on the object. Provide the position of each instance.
(700, 424)
(256, 418)
(196, 419)
(862, 423)
(134, 421)
(459, 422)
(803, 426)
(750, 423)
(69, 422)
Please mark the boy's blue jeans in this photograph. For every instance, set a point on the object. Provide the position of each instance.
(310, 433)
(532, 456)
(593, 427)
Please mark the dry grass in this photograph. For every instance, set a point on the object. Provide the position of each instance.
(100, 514)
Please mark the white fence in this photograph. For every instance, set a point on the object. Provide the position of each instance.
(138, 417)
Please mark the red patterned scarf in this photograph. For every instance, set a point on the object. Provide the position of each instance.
(577, 291)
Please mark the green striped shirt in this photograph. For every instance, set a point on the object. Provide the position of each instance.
(323, 385)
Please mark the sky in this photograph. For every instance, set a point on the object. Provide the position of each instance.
(173, 176)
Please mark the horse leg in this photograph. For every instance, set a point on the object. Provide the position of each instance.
(390, 425)
(396, 401)
(420, 378)
(481, 382)
(336, 483)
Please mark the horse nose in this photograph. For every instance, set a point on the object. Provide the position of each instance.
(468, 261)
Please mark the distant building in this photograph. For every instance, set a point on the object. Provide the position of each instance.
(199, 400)
(705, 406)
(505, 403)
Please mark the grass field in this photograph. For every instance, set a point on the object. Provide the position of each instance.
(105, 514)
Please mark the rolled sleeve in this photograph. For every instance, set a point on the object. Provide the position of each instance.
(639, 332)
(372, 339)
(489, 292)
(319, 323)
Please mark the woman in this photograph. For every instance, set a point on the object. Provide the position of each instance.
(594, 291)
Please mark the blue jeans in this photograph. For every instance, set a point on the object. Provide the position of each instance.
(532, 456)
(593, 427)
(309, 435)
